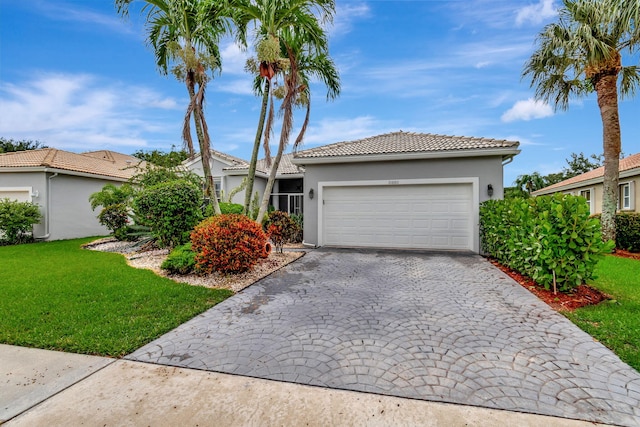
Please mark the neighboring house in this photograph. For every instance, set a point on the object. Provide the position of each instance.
(228, 173)
(60, 183)
(589, 185)
(401, 190)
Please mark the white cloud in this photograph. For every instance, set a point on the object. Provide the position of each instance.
(330, 130)
(234, 58)
(536, 13)
(81, 112)
(346, 14)
(73, 13)
(527, 110)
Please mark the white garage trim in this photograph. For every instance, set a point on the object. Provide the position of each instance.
(22, 194)
(474, 181)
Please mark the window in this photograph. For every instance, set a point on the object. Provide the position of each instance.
(217, 183)
(588, 194)
(625, 196)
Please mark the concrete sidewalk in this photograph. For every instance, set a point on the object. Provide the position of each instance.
(47, 388)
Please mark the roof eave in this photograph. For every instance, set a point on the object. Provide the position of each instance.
(61, 171)
(505, 152)
(586, 183)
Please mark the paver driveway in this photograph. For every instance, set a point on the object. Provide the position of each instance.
(436, 326)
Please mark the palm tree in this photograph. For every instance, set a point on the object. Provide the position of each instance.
(529, 183)
(271, 18)
(582, 53)
(300, 52)
(186, 33)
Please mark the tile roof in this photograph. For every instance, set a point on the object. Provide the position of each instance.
(286, 167)
(103, 163)
(404, 142)
(628, 163)
(235, 161)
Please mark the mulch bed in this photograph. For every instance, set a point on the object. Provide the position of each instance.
(626, 254)
(581, 296)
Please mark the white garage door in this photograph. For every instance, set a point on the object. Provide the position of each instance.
(425, 216)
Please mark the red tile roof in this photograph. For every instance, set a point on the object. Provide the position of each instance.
(626, 164)
(102, 163)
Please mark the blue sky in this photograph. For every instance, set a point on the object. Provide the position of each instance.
(76, 76)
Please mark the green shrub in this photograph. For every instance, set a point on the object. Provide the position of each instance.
(171, 209)
(229, 243)
(280, 228)
(111, 195)
(628, 231)
(299, 220)
(544, 238)
(181, 260)
(115, 218)
(17, 220)
(230, 208)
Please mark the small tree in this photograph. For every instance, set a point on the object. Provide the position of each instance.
(170, 209)
(17, 220)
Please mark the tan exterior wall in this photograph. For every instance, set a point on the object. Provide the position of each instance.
(597, 193)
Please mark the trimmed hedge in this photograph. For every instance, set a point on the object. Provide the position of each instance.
(543, 237)
(228, 243)
(627, 231)
(170, 209)
(230, 208)
(17, 220)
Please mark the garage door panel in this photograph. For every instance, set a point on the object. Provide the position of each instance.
(437, 216)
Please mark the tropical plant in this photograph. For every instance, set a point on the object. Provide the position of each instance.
(229, 243)
(181, 260)
(582, 53)
(17, 220)
(185, 33)
(307, 58)
(111, 195)
(280, 228)
(272, 18)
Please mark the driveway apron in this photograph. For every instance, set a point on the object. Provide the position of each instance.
(445, 327)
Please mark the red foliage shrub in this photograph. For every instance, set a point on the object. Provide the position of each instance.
(229, 243)
(281, 228)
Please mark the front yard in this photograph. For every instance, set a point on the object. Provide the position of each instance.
(58, 296)
(615, 323)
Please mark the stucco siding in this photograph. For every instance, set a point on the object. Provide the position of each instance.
(487, 170)
(70, 211)
(597, 193)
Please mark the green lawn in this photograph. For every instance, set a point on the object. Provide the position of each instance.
(615, 323)
(58, 296)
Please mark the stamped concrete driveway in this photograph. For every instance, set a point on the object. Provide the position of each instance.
(435, 326)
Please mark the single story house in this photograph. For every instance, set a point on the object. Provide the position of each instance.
(401, 190)
(228, 173)
(589, 185)
(60, 182)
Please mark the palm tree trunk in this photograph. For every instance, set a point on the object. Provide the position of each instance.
(607, 91)
(256, 148)
(287, 123)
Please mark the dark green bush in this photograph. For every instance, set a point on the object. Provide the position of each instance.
(115, 218)
(544, 237)
(17, 220)
(628, 231)
(181, 260)
(230, 208)
(170, 209)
